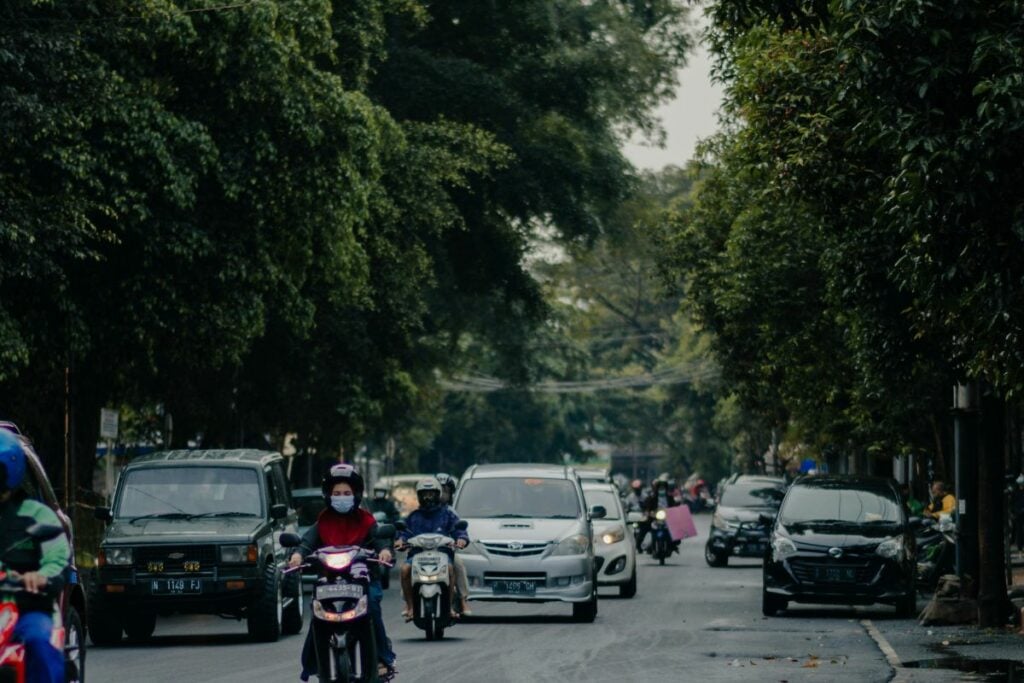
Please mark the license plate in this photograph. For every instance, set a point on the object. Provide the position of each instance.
(514, 587)
(754, 549)
(176, 586)
(835, 574)
(339, 590)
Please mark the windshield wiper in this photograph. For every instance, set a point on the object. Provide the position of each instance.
(224, 514)
(509, 516)
(563, 517)
(161, 515)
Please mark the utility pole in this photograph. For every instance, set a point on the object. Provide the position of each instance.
(993, 602)
(966, 417)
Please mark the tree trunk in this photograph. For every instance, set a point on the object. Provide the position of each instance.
(992, 599)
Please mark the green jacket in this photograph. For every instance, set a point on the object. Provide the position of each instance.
(23, 554)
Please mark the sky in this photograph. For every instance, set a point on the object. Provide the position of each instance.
(688, 118)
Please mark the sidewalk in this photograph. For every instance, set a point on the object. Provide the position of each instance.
(937, 654)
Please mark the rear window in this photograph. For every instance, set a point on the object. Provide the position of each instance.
(809, 505)
(606, 499)
(752, 495)
(518, 497)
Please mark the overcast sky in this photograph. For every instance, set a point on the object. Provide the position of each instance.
(690, 117)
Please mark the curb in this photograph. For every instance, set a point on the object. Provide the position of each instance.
(900, 674)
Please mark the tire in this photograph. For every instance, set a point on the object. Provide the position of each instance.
(771, 605)
(292, 614)
(661, 559)
(585, 612)
(104, 623)
(628, 589)
(74, 646)
(714, 559)
(906, 607)
(264, 616)
(139, 626)
(385, 578)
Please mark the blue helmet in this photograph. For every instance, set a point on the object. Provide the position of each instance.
(12, 458)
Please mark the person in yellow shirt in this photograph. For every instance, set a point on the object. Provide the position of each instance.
(943, 502)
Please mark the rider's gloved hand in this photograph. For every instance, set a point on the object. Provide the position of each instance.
(295, 560)
(461, 543)
(34, 582)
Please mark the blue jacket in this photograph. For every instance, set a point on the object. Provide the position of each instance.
(441, 520)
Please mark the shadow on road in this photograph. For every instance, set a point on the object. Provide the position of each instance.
(521, 619)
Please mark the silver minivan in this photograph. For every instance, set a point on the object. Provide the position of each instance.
(532, 536)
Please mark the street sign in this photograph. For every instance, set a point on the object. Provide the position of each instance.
(109, 419)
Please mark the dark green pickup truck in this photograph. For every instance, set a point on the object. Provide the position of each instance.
(196, 532)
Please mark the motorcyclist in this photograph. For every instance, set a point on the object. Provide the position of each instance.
(343, 522)
(635, 498)
(659, 498)
(448, 486)
(41, 566)
(382, 503)
(432, 517)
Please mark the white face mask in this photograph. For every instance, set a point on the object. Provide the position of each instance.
(343, 504)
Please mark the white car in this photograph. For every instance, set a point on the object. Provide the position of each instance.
(614, 543)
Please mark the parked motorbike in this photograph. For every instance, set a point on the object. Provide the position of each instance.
(342, 624)
(385, 574)
(662, 544)
(431, 582)
(12, 652)
(936, 552)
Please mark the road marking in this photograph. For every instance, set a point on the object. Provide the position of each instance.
(900, 674)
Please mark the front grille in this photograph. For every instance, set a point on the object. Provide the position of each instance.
(804, 570)
(540, 577)
(205, 555)
(514, 548)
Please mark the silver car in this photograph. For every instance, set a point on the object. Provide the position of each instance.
(532, 536)
(614, 542)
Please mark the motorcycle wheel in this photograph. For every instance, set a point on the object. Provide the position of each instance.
(292, 613)
(74, 646)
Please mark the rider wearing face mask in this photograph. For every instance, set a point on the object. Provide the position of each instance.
(343, 522)
(432, 517)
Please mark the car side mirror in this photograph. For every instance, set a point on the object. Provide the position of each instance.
(634, 517)
(598, 512)
(290, 540)
(278, 511)
(386, 531)
(103, 514)
(461, 525)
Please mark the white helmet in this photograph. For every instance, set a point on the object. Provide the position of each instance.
(428, 493)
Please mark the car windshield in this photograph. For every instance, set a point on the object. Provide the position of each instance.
(752, 495)
(518, 497)
(189, 491)
(308, 508)
(813, 505)
(606, 499)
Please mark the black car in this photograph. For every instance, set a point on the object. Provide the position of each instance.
(196, 532)
(741, 523)
(840, 540)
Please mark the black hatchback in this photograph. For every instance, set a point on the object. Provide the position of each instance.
(840, 540)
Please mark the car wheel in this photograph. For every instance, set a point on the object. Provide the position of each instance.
(772, 604)
(714, 559)
(139, 626)
(292, 614)
(586, 612)
(906, 607)
(266, 612)
(105, 626)
(628, 589)
(74, 646)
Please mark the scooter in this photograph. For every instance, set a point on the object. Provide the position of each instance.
(936, 552)
(342, 624)
(662, 544)
(12, 652)
(431, 582)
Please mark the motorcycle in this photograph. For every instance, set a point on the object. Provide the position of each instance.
(431, 582)
(936, 552)
(662, 544)
(12, 652)
(385, 574)
(342, 623)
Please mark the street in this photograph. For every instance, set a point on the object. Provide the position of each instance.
(688, 621)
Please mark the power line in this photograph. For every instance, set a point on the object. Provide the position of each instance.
(666, 376)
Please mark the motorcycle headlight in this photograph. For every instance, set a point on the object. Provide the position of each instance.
(574, 545)
(891, 549)
(116, 557)
(613, 536)
(782, 547)
(660, 515)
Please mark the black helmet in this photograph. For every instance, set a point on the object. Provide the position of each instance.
(428, 493)
(343, 472)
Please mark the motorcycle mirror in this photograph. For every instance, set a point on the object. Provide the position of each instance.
(380, 517)
(461, 525)
(386, 531)
(44, 532)
(598, 512)
(103, 514)
(290, 540)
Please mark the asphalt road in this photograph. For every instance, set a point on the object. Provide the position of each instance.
(687, 622)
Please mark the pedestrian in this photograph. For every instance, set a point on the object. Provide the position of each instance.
(914, 506)
(942, 503)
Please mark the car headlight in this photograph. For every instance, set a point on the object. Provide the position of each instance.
(782, 547)
(238, 554)
(720, 522)
(613, 536)
(116, 557)
(574, 545)
(660, 515)
(891, 549)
